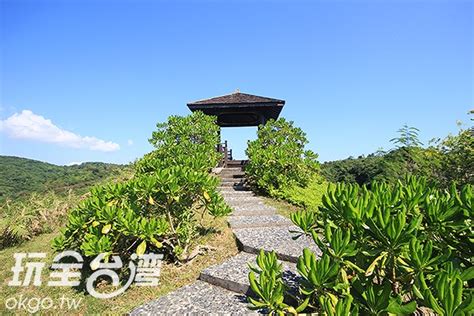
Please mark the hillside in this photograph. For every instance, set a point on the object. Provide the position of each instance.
(20, 176)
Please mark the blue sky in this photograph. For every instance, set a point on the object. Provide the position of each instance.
(88, 80)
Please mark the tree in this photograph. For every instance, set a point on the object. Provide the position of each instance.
(278, 158)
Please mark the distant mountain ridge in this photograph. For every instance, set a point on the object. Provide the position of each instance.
(21, 176)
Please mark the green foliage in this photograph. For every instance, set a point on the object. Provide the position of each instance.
(319, 275)
(388, 249)
(306, 221)
(457, 152)
(362, 170)
(308, 197)
(445, 161)
(408, 137)
(183, 141)
(157, 210)
(334, 306)
(20, 177)
(278, 159)
(447, 295)
(269, 285)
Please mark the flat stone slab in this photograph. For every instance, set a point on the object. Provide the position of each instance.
(232, 192)
(240, 199)
(227, 175)
(244, 200)
(230, 184)
(199, 298)
(245, 206)
(258, 221)
(236, 195)
(253, 212)
(233, 274)
(279, 239)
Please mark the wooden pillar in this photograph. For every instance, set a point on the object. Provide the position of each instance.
(226, 154)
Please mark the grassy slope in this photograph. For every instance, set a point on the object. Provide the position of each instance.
(171, 278)
(77, 178)
(297, 198)
(21, 176)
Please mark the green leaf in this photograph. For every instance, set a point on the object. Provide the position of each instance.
(468, 274)
(396, 308)
(303, 305)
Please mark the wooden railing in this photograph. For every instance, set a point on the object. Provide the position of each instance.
(227, 153)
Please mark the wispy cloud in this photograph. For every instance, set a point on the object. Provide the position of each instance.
(28, 125)
(130, 142)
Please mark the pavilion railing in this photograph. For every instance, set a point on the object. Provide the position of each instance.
(227, 153)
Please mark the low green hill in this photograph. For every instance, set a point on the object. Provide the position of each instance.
(21, 176)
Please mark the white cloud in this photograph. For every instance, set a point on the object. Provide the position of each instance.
(28, 125)
(129, 142)
(73, 163)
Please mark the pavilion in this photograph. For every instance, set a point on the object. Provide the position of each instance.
(238, 110)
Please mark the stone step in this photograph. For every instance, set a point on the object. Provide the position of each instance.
(232, 275)
(253, 212)
(236, 163)
(232, 168)
(227, 172)
(243, 199)
(250, 209)
(257, 221)
(230, 180)
(235, 178)
(236, 194)
(198, 298)
(245, 205)
(279, 239)
(229, 184)
(238, 187)
(230, 191)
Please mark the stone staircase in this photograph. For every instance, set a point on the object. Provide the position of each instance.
(222, 289)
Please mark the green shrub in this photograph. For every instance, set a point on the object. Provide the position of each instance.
(159, 207)
(457, 158)
(387, 250)
(278, 159)
(183, 141)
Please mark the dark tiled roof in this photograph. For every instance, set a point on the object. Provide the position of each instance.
(237, 98)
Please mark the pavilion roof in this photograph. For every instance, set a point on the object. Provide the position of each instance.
(237, 98)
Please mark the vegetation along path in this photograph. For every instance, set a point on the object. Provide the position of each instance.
(223, 288)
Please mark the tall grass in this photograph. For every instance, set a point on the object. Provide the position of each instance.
(38, 213)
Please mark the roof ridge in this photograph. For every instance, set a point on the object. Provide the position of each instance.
(217, 96)
(257, 98)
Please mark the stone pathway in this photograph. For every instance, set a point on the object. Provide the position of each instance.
(221, 289)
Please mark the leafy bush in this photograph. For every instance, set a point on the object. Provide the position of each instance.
(183, 141)
(457, 152)
(385, 250)
(158, 209)
(278, 159)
